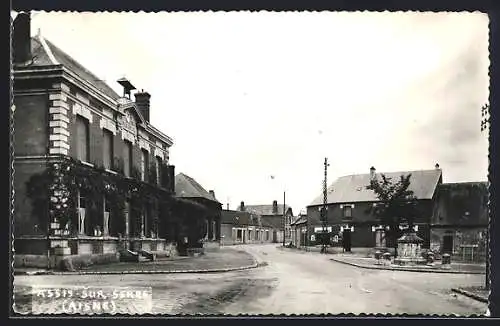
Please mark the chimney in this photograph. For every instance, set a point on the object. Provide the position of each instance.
(242, 206)
(436, 166)
(21, 38)
(275, 207)
(372, 173)
(142, 102)
(212, 193)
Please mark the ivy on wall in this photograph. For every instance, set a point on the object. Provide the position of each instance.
(54, 192)
(54, 197)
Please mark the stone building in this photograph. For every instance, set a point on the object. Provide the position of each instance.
(92, 174)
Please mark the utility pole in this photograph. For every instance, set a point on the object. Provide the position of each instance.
(485, 121)
(324, 216)
(284, 218)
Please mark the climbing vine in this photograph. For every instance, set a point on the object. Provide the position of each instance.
(54, 196)
(54, 192)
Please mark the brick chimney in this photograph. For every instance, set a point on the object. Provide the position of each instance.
(142, 101)
(242, 206)
(275, 207)
(372, 173)
(21, 38)
(212, 193)
(436, 166)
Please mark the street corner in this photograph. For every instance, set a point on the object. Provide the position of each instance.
(480, 294)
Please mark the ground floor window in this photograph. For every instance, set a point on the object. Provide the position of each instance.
(238, 234)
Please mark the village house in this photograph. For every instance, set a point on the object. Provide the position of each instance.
(451, 217)
(209, 218)
(92, 174)
(299, 231)
(349, 208)
(242, 227)
(273, 217)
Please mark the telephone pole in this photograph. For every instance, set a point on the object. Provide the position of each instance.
(324, 216)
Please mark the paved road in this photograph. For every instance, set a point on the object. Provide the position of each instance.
(292, 282)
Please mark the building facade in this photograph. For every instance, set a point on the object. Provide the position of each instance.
(299, 231)
(84, 157)
(450, 217)
(276, 216)
(208, 218)
(459, 222)
(350, 208)
(241, 227)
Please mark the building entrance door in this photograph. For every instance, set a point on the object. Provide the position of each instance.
(448, 244)
(346, 240)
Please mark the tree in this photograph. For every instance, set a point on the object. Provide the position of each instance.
(396, 205)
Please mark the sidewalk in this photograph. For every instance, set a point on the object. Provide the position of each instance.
(222, 260)
(360, 257)
(372, 263)
(477, 293)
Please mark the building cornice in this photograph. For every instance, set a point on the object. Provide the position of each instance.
(89, 88)
(59, 71)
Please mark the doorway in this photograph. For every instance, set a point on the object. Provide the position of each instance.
(448, 244)
(346, 240)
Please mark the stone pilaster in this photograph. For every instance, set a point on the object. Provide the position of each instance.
(58, 124)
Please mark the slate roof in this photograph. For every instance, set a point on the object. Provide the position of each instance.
(42, 58)
(187, 187)
(265, 209)
(352, 188)
(238, 218)
(272, 221)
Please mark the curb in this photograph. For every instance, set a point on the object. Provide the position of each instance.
(470, 295)
(404, 269)
(181, 271)
(185, 271)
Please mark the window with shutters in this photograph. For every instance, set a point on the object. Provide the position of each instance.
(82, 138)
(127, 158)
(107, 145)
(144, 164)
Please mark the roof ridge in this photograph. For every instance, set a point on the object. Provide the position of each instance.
(386, 172)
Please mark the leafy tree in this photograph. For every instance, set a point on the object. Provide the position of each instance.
(396, 205)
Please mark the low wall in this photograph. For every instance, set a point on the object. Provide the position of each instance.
(211, 245)
(37, 261)
(77, 262)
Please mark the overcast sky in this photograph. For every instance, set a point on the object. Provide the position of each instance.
(249, 95)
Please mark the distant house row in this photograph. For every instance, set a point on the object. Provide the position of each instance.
(452, 217)
(257, 224)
